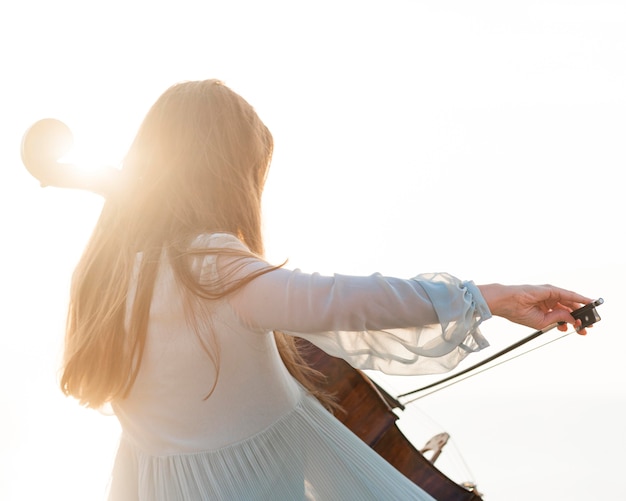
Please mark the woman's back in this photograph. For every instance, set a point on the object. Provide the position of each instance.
(258, 435)
(169, 409)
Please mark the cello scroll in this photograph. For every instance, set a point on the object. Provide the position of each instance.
(45, 143)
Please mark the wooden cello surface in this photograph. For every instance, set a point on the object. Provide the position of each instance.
(370, 417)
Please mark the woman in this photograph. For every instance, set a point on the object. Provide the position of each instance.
(177, 321)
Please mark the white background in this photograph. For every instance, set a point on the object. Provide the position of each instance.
(486, 139)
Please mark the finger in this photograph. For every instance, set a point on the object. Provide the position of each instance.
(572, 300)
(562, 327)
(561, 315)
(577, 326)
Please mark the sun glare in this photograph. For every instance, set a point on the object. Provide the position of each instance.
(93, 150)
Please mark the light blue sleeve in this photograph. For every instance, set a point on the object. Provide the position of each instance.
(423, 325)
(430, 348)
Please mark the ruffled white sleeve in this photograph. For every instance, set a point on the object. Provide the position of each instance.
(423, 325)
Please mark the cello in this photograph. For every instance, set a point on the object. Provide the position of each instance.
(370, 413)
(364, 408)
(367, 409)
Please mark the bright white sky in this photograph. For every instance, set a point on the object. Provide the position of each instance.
(481, 138)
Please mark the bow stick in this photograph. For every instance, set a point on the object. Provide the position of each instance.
(587, 315)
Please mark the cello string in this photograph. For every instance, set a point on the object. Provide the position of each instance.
(428, 426)
(474, 373)
(461, 463)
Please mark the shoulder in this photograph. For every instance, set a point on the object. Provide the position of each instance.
(222, 255)
(219, 241)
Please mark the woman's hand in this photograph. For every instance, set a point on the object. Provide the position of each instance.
(535, 306)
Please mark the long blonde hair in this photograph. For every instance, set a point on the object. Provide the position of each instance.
(197, 166)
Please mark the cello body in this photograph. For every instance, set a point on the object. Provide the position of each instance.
(369, 415)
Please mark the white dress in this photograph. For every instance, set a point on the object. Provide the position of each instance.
(259, 435)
